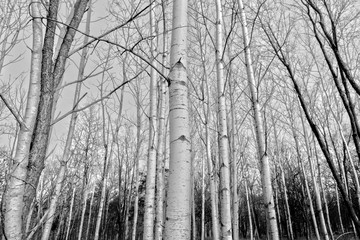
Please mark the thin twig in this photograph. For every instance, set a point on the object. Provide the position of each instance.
(93, 103)
(16, 116)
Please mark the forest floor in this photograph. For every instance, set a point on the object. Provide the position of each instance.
(345, 236)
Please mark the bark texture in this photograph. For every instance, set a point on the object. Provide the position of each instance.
(178, 205)
(51, 75)
(149, 216)
(225, 201)
(13, 212)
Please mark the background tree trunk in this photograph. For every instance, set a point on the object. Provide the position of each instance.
(70, 215)
(149, 215)
(264, 160)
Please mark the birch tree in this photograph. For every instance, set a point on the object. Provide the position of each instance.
(225, 201)
(149, 216)
(30, 164)
(137, 159)
(268, 197)
(13, 212)
(162, 126)
(178, 203)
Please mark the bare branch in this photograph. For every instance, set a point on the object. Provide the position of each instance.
(93, 103)
(111, 30)
(13, 112)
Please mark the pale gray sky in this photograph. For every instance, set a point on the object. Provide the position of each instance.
(12, 71)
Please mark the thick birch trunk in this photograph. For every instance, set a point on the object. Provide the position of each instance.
(178, 209)
(264, 160)
(13, 200)
(149, 215)
(225, 200)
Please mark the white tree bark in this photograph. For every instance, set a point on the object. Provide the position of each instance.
(353, 169)
(107, 157)
(137, 159)
(70, 215)
(202, 235)
(234, 177)
(103, 194)
(13, 212)
(322, 190)
(311, 205)
(211, 172)
(84, 199)
(193, 211)
(178, 210)
(288, 214)
(160, 157)
(225, 200)
(264, 160)
(339, 210)
(249, 211)
(278, 215)
(90, 214)
(149, 215)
